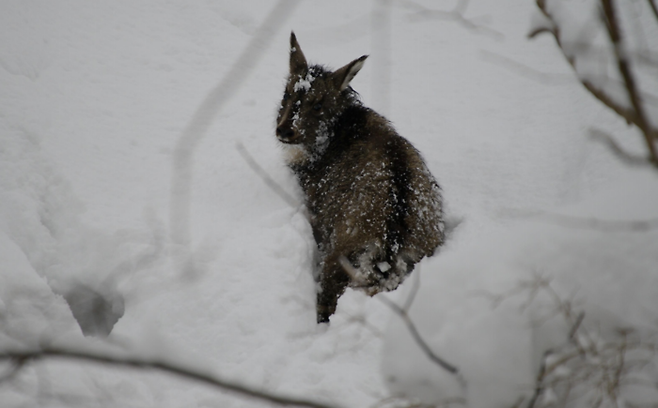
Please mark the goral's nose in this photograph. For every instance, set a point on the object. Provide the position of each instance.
(285, 133)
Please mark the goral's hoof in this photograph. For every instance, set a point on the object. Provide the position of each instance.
(323, 318)
(323, 313)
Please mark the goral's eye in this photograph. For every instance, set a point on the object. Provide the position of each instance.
(317, 106)
(286, 96)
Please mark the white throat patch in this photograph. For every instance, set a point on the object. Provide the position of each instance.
(295, 154)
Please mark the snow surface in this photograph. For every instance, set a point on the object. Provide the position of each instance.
(97, 94)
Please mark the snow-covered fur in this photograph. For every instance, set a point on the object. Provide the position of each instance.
(375, 208)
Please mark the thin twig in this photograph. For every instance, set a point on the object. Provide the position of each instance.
(587, 362)
(635, 114)
(381, 50)
(178, 370)
(592, 223)
(273, 185)
(16, 365)
(617, 150)
(617, 376)
(414, 291)
(417, 337)
(654, 8)
(196, 129)
(526, 71)
(539, 388)
(456, 15)
(576, 325)
(626, 113)
(614, 33)
(354, 275)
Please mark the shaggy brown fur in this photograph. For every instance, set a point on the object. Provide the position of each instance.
(375, 208)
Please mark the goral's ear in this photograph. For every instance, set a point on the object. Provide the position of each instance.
(344, 75)
(298, 63)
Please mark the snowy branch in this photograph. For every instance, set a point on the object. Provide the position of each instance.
(417, 337)
(196, 129)
(654, 8)
(260, 172)
(525, 70)
(21, 358)
(15, 368)
(455, 15)
(595, 366)
(612, 26)
(571, 221)
(616, 149)
(636, 113)
(403, 312)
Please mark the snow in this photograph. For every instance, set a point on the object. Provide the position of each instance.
(304, 84)
(495, 330)
(96, 97)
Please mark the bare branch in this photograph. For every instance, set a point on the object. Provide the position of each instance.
(614, 32)
(576, 325)
(588, 363)
(617, 150)
(381, 50)
(414, 291)
(196, 129)
(526, 71)
(599, 94)
(273, 185)
(357, 278)
(417, 337)
(144, 364)
(652, 4)
(402, 401)
(456, 15)
(538, 383)
(635, 114)
(585, 222)
(16, 366)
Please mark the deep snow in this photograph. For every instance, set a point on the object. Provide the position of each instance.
(95, 98)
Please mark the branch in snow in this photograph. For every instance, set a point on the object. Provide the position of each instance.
(538, 388)
(20, 358)
(591, 366)
(527, 71)
(636, 113)
(456, 15)
(417, 337)
(576, 325)
(15, 367)
(598, 224)
(273, 185)
(652, 5)
(414, 291)
(401, 401)
(355, 276)
(181, 182)
(617, 150)
(612, 26)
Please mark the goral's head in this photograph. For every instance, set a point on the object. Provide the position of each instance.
(313, 100)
